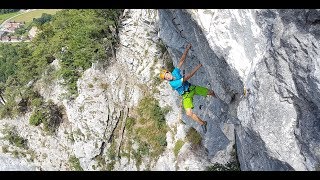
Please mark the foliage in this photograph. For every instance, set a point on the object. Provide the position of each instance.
(9, 56)
(194, 138)
(21, 30)
(37, 118)
(143, 150)
(8, 110)
(13, 137)
(154, 128)
(148, 129)
(77, 37)
(43, 19)
(177, 147)
(5, 11)
(231, 166)
(84, 35)
(149, 109)
(112, 154)
(49, 114)
(130, 122)
(75, 163)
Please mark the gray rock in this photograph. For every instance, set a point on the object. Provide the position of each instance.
(177, 29)
(277, 125)
(13, 164)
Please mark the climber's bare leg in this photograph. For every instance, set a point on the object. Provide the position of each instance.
(194, 116)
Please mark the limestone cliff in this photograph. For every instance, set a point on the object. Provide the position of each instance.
(273, 54)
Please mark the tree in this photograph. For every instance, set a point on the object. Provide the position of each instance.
(43, 19)
(5, 11)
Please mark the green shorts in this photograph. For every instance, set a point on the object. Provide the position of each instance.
(188, 96)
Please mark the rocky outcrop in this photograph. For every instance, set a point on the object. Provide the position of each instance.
(12, 164)
(177, 29)
(274, 54)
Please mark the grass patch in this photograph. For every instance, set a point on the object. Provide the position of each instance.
(154, 129)
(148, 129)
(75, 163)
(177, 147)
(130, 122)
(28, 17)
(194, 138)
(142, 150)
(37, 118)
(6, 16)
(112, 154)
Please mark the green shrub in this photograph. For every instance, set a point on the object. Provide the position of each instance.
(13, 137)
(154, 129)
(90, 85)
(162, 139)
(6, 111)
(231, 166)
(143, 150)
(194, 138)
(50, 115)
(37, 118)
(75, 163)
(149, 109)
(37, 102)
(177, 147)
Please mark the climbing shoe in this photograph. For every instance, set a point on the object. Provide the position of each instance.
(204, 127)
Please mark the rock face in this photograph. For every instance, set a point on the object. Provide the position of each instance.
(274, 53)
(13, 164)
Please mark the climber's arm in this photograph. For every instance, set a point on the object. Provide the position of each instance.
(184, 55)
(187, 77)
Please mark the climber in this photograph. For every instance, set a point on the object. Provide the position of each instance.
(185, 89)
